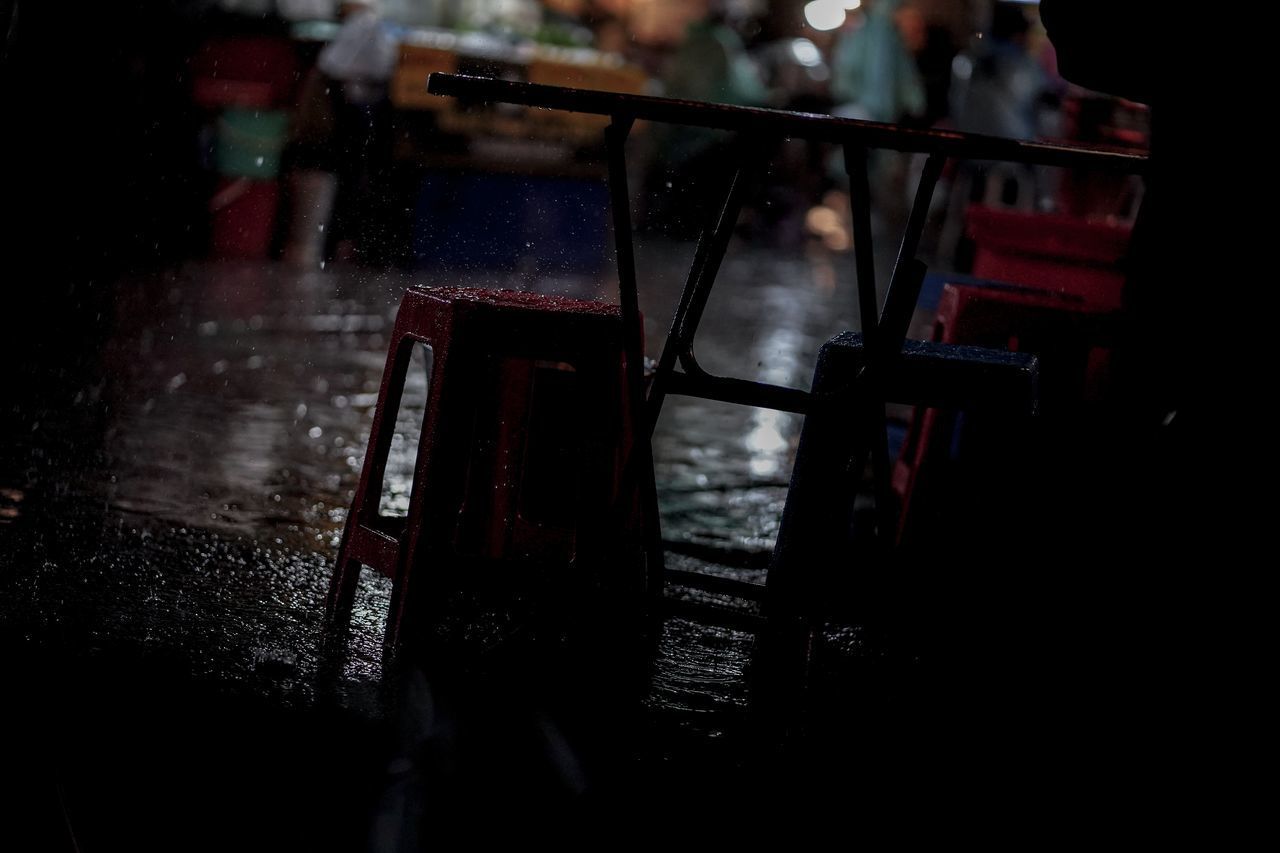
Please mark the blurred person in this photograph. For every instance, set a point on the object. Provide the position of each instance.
(912, 26)
(874, 75)
(711, 65)
(997, 89)
(997, 84)
(359, 63)
(934, 57)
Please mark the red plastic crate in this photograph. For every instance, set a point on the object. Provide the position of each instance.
(1062, 254)
(243, 214)
(244, 71)
(1070, 335)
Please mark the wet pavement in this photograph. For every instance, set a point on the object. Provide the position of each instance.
(171, 503)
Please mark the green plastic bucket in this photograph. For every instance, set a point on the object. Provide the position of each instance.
(250, 141)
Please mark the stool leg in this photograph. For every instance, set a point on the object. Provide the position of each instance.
(342, 592)
(420, 516)
(813, 549)
(368, 495)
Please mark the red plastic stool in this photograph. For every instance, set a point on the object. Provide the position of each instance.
(1070, 336)
(521, 454)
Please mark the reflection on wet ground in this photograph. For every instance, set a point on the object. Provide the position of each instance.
(183, 497)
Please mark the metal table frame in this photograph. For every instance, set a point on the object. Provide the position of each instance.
(761, 130)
